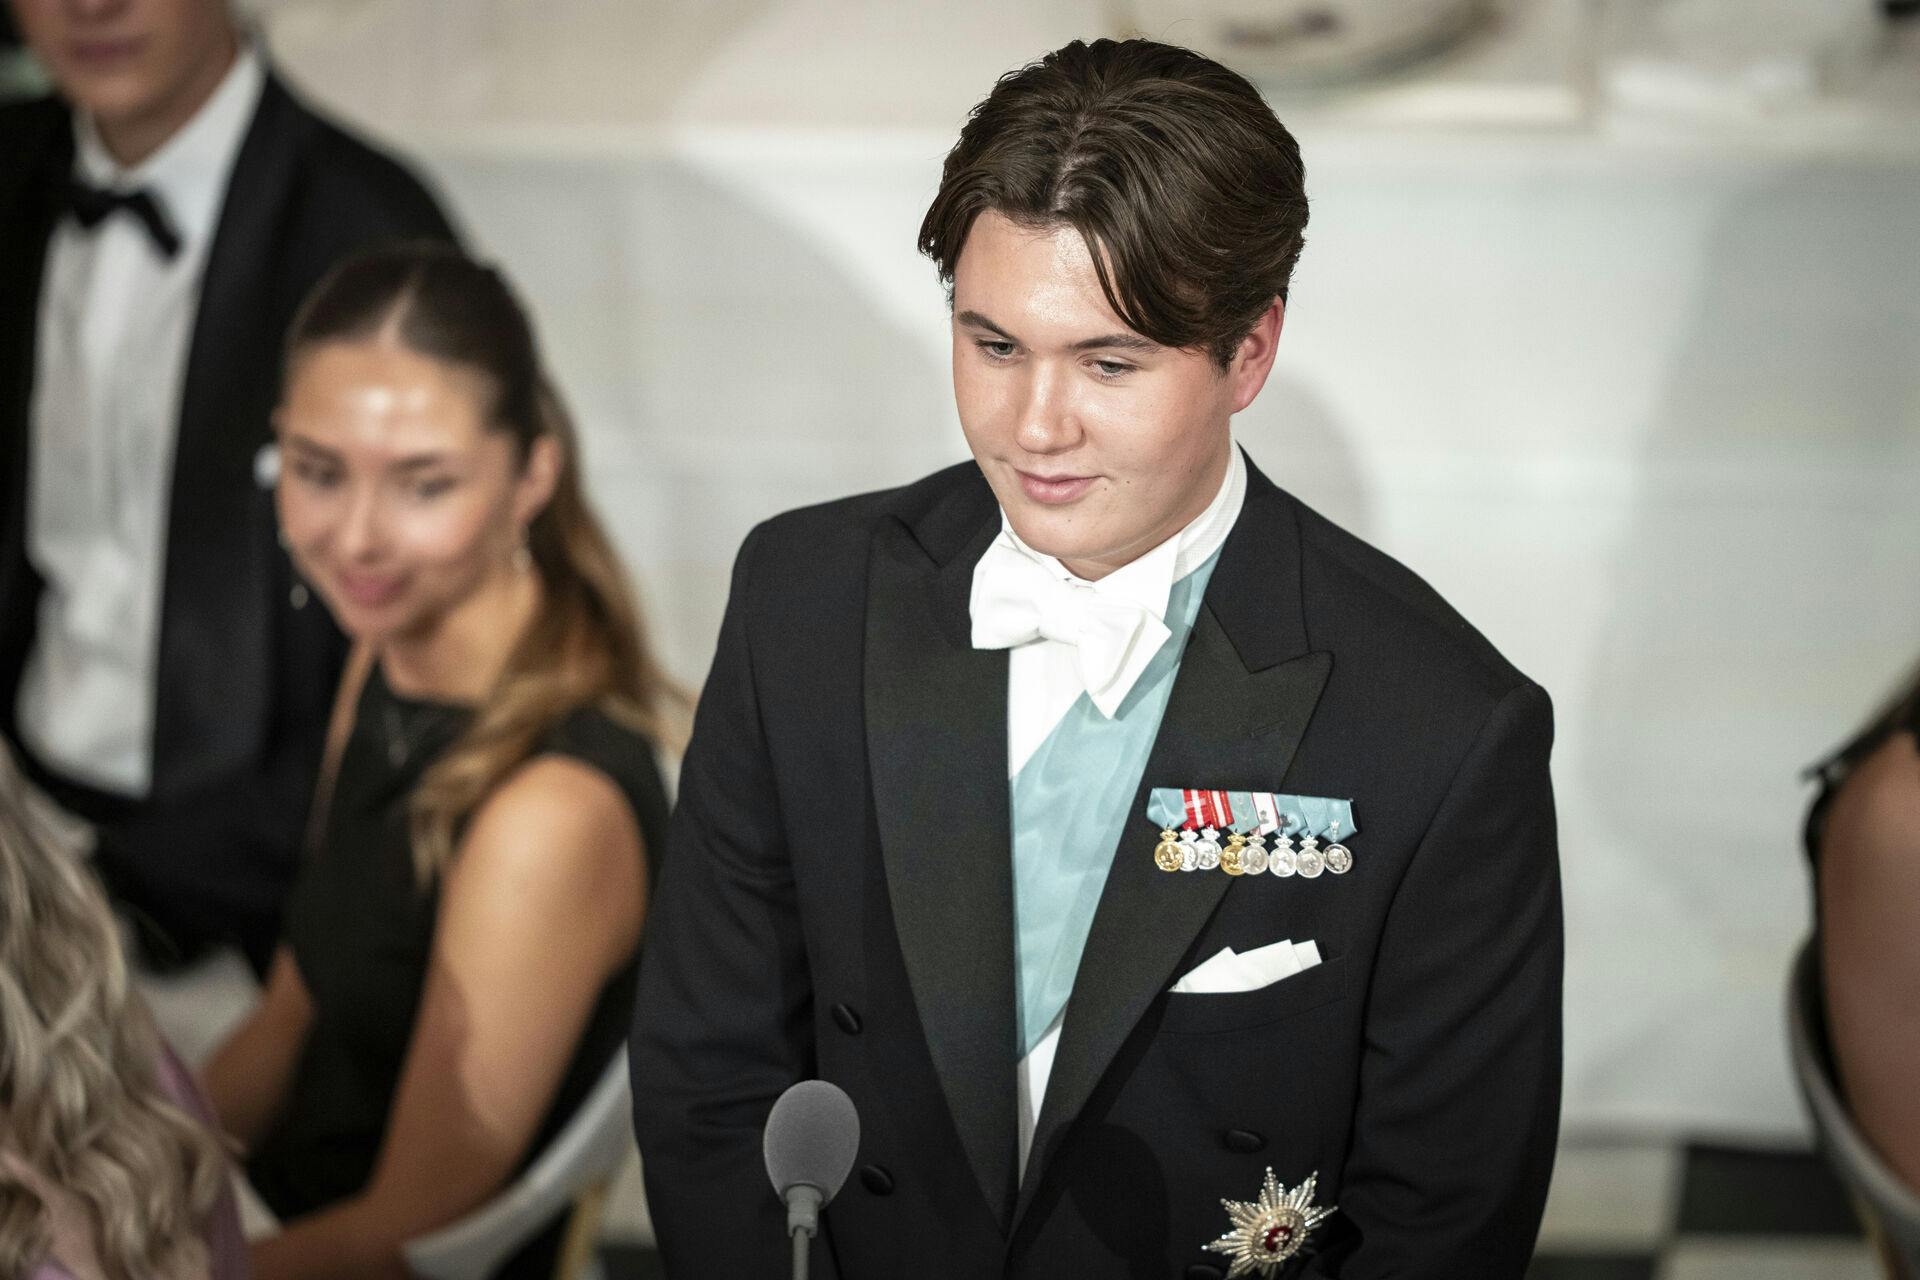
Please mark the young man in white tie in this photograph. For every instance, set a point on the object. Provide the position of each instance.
(1169, 877)
(162, 673)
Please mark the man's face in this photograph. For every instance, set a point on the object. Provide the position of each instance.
(129, 61)
(1099, 443)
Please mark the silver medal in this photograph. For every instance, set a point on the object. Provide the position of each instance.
(1254, 857)
(1339, 857)
(1281, 862)
(1189, 859)
(1309, 862)
(1206, 850)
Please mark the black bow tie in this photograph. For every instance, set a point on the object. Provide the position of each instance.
(92, 205)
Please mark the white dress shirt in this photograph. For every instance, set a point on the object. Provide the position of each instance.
(115, 326)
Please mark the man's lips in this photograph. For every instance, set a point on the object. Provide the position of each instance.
(1053, 490)
(102, 54)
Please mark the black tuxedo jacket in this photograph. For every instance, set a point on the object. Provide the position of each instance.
(838, 903)
(245, 677)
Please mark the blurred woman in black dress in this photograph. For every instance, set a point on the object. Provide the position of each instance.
(459, 957)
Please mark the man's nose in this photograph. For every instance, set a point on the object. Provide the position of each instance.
(1048, 422)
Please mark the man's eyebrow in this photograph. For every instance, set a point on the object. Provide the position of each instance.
(1118, 341)
(974, 320)
(1124, 341)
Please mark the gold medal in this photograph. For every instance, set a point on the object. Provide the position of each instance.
(1231, 856)
(1167, 855)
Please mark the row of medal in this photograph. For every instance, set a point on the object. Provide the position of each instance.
(1249, 817)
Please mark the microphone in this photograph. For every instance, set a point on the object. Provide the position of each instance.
(812, 1135)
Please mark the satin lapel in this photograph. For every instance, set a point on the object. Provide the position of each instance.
(936, 717)
(1246, 690)
(216, 641)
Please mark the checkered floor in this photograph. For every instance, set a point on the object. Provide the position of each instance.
(1698, 1212)
(1643, 1212)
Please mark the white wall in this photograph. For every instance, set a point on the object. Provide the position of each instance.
(1643, 409)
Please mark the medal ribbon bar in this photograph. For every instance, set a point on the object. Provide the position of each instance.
(1238, 810)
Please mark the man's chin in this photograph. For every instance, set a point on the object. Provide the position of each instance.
(113, 101)
(1051, 536)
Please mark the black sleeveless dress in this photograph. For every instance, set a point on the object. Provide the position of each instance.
(362, 931)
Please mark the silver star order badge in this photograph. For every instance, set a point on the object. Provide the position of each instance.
(1272, 1229)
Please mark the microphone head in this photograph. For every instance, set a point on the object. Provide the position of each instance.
(812, 1136)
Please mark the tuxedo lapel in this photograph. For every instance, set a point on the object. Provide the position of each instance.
(216, 630)
(937, 743)
(1246, 690)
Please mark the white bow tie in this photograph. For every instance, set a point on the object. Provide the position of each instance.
(1016, 601)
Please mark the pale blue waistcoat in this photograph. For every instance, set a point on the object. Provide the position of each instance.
(1071, 803)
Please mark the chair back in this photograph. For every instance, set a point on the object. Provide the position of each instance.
(582, 1159)
(1892, 1207)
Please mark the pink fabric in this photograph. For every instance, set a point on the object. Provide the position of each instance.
(226, 1247)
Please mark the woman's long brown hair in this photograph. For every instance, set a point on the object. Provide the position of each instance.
(586, 645)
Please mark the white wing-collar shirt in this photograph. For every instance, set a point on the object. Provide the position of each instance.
(116, 321)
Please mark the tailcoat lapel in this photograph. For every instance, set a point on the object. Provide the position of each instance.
(1246, 690)
(936, 720)
(216, 631)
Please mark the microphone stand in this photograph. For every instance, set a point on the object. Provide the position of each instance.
(803, 1222)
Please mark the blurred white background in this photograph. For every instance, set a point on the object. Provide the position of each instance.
(1608, 324)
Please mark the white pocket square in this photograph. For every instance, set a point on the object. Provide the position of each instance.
(1228, 971)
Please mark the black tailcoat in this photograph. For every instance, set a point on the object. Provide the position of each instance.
(245, 675)
(839, 903)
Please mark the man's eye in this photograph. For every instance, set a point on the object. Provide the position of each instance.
(431, 488)
(996, 350)
(1112, 368)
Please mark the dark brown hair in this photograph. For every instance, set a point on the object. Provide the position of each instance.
(1188, 191)
(586, 645)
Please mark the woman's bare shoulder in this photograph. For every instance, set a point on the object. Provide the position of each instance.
(553, 815)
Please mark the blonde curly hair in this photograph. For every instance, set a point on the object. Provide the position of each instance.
(81, 1103)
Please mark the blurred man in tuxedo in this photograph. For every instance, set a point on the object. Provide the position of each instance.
(161, 672)
(976, 814)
